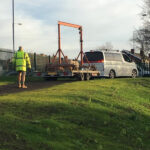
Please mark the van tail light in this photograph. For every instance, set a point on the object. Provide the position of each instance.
(98, 61)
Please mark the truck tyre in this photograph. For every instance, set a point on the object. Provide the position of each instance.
(112, 74)
(54, 79)
(46, 79)
(87, 76)
(134, 73)
(81, 77)
(50, 79)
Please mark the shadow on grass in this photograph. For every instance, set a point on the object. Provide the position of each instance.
(71, 126)
(12, 88)
(144, 82)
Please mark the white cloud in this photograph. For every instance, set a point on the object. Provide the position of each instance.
(36, 36)
(103, 21)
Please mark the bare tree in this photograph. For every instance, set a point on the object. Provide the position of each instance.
(142, 35)
(146, 8)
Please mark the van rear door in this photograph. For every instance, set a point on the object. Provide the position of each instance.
(95, 58)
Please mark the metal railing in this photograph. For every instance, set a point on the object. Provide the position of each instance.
(144, 69)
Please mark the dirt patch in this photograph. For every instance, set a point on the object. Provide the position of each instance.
(12, 88)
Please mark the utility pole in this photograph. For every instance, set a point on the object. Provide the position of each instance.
(133, 39)
(13, 26)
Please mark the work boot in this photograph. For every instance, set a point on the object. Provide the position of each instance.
(24, 86)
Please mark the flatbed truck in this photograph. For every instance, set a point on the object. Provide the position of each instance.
(65, 68)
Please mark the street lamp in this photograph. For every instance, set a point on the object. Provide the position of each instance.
(133, 38)
(13, 25)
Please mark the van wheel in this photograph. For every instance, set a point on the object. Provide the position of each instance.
(134, 73)
(87, 76)
(112, 74)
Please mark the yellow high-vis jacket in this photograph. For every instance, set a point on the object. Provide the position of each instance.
(21, 61)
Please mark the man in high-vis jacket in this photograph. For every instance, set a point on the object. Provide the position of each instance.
(21, 62)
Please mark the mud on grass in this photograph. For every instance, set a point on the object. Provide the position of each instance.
(8, 85)
(13, 88)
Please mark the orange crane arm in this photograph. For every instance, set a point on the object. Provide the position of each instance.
(59, 39)
(69, 24)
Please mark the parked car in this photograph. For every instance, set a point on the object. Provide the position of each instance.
(111, 63)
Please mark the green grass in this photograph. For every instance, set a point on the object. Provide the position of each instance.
(94, 115)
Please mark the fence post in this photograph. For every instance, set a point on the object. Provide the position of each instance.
(35, 61)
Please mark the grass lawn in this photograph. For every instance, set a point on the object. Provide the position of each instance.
(91, 115)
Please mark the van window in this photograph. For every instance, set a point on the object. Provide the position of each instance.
(126, 58)
(113, 57)
(93, 56)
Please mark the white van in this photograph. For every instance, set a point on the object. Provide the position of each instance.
(111, 63)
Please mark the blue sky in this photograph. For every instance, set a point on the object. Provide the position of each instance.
(102, 20)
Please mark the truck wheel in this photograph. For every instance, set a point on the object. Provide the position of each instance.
(134, 73)
(46, 79)
(81, 77)
(112, 74)
(55, 79)
(87, 76)
(50, 79)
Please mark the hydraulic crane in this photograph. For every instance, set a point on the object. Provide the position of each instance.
(59, 52)
(64, 68)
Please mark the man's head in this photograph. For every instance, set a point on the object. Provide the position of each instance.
(20, 48)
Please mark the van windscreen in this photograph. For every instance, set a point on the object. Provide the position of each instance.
(93, 57)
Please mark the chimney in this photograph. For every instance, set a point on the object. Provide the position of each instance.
(132, 51)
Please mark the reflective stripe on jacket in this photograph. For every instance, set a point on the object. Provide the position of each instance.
(20, 60)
